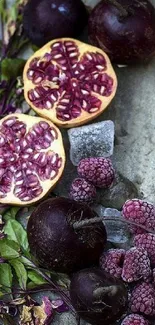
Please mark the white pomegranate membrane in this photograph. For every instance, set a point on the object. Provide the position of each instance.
(68, 78)
(31, 158)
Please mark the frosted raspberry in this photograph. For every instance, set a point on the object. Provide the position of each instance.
(140, 212)
(112, 261)
(142, 299)
(82, 191)
(147, 241)
(134, 319)
(98, 171)
(136, 265)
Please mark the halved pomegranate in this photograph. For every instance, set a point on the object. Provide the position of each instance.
(69, 82)
(32, 158)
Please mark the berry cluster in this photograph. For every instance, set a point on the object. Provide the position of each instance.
(93, 172)
(136, 266)
(131, 265)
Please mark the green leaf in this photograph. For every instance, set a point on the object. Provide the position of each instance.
(14, 231)
(20, 272)
(11, 213)
(11, 68)
(34, 48)
(9, 249)
(3, 14)
(6, 276)
(36, 278)
(13, 12)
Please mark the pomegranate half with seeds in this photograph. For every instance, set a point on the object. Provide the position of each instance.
(32, 158)
(69, 82)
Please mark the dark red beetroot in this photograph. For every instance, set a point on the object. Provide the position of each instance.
(45, 20)
(98, 297)
(124, 29)
(55, 243)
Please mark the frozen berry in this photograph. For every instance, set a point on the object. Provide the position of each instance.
(98, 171)
(134, 319)
(141, 212)
(112, 261)
(142, 299)
(82, 191)
(147, 241)
(136, 265)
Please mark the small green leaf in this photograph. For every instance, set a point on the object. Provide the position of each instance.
(20, 272)
(3, 14)
(14, 231)
(13, 12)
(34, 48)
(11, 68)
(6, 276)
(9, 249)
(11, 213)
(36, 278)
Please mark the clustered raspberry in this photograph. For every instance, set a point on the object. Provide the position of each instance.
(112, 260)
(143, 299)
(93, 172)
(146, 241)
(131, 265)
(140, 212)
(136, 265)
(98, 171)
(82, 191)
(134, 319)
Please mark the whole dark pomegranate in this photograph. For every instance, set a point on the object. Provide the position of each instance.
(54, 241)
(32, 158)
(69, 82)
(124, 29)
(98, 297)
(45, 20)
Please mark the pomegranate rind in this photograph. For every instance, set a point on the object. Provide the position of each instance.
(56, 147)
(85, 116)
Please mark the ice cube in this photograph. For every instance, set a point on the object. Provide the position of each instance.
(91, 3)
(93, 140)
(108, 212)
(117, 230)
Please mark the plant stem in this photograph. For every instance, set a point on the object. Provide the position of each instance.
(91, 221)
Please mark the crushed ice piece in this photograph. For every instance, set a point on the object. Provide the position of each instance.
(93, 140)
(117, 231)
(90, 3)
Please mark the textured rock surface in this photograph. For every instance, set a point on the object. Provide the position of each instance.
(121, 190)
(133, 114)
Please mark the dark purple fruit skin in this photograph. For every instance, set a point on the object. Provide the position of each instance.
(105, 308)
(55, 244)
(45, 20)
(125, 38)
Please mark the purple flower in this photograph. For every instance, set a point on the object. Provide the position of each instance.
(47, 306)
(2, 260)
(2, 235)
(59, 305)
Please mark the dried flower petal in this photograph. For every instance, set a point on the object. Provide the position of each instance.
(47, 306)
